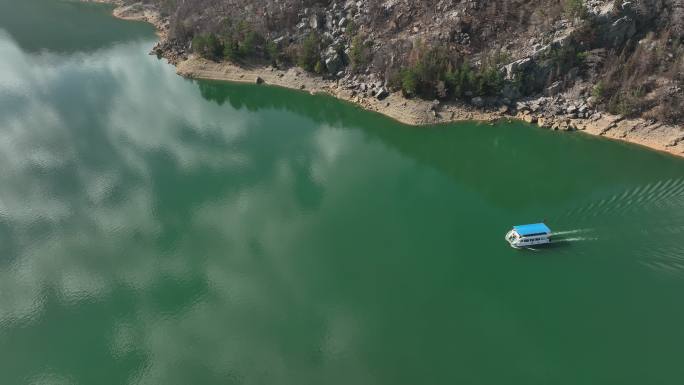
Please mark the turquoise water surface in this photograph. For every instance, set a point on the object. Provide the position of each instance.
(157, 230)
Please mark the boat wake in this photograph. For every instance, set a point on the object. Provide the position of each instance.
(645, 221)
(570, 232)
(558, 242)
(660, 195)
(574, 239)
(572, 236)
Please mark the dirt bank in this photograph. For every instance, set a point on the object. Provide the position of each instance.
(408, 111)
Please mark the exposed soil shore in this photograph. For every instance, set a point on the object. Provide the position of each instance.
(394, 105)
(654, 135)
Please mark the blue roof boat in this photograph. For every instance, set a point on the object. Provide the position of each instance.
(529, 235)
(533, 229)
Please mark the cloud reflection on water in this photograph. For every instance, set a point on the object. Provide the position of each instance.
(173, 235)
(80, 214)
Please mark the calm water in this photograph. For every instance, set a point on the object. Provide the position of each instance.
(155, 230)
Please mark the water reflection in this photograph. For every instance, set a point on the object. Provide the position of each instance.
(66, 26)
(155, 230)
(119, 179)
(510, 165)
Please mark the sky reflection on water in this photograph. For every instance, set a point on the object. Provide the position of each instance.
(82, 206)
(155, 230)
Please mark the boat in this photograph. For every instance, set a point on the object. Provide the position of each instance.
(529, 235)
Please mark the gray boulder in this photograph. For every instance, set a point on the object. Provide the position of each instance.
(517, 66)
(592, 101)
(553, 89)
(382, 93)
(316, 22)
(333, 61)
(522, 106)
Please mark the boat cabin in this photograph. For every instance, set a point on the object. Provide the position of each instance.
(529, 235)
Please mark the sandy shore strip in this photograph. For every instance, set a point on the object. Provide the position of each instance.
(408, 111)
(657, 136)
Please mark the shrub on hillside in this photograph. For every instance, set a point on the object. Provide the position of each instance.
(575, 9)
(434, 74)
(242, 42)
(429, 67)
(598, 91)
(247, 47)
(359, 52)
(273, 52)
(310, 53)
(409, 82)
(208, 46)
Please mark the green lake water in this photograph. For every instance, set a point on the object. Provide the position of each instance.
(157, 230)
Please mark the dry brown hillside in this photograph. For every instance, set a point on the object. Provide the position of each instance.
(623, 56)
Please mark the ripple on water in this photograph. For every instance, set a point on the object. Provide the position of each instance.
(660, 195)
(665, 259)
(642, 224)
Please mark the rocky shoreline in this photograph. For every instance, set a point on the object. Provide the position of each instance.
(559, 112)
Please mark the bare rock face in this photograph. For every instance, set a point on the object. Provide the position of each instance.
(382, 93)
(333, 61)
(544, 122)
(316, 22)
(553, 89)
(527, 117)
(517, 66)
(620, 31)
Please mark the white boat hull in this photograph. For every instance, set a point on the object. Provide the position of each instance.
(519, 245)
(516, 241)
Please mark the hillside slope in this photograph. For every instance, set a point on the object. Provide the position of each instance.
(626, 57)
(556, 62)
